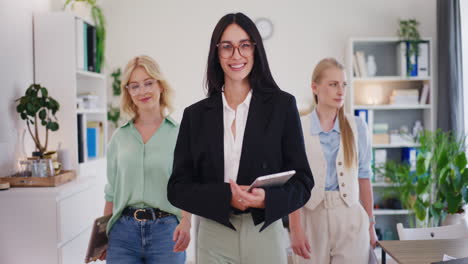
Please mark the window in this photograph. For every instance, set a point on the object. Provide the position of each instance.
(464, 37)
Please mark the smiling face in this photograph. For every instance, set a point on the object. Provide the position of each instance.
(331, 88)
(144, 90)
(238, 66)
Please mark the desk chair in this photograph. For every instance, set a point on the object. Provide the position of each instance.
(459, 230)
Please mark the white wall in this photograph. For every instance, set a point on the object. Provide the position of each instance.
(177, 33)
(16, 74)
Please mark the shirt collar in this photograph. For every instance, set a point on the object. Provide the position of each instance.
(167, 119)
(246, 101)
(316, 128)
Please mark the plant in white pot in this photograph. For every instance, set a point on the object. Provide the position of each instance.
(443, 156)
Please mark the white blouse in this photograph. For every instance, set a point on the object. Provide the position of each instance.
(233, 145)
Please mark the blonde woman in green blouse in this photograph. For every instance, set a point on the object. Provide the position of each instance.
(144, 227)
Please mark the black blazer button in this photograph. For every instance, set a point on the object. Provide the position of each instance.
(264, 165)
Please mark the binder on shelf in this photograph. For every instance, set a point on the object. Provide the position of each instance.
(424, 94)
(380, 158)
(81, 139)
(91, 52)
(423, 59)
(85, 45)
(95, 136)
(362, 113)
(412, 61)
(401, 59)
(80, 47)
(92, 141)
(409, 155)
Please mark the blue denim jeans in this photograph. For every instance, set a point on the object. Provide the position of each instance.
(149, 242)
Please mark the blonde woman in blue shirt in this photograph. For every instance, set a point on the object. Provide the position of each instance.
(336, 225)
(144, 227)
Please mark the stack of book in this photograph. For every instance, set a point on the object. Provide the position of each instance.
(404, 97)
(380, 135)
(359, 64)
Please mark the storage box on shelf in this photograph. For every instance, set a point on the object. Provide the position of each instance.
(383, 92)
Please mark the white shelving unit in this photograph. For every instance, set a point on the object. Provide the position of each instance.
(57, 221)
(56, 68)
(393, 107)
(413, 145)
(372, 93)
(392, 212)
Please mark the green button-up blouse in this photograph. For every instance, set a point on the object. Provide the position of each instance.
(137, 173)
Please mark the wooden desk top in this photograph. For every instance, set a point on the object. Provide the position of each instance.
(424, 251)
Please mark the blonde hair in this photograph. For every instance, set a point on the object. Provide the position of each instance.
(347, 135)
(152, 69)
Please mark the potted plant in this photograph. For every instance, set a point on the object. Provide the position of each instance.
(442, 155)
(438, 190)
(113, 113)
(411, 188)
(100, 24)
(36, 107)
(408, 32)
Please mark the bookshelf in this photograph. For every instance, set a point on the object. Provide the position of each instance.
(58, 67)
(371, 96)
(63, 215)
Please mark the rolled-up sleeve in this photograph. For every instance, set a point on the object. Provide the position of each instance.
(111, 171)
(365, 150)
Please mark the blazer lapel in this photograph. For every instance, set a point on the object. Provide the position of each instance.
(214, 131)
(258, 118)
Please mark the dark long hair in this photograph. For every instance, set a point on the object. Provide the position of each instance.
(260, 77)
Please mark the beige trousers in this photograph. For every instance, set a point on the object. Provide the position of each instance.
(245, 245)
(337, 233)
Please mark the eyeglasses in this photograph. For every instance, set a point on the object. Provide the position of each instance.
(226, 49)
(134, 87)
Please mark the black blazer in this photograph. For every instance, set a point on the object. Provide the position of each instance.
(273, 142)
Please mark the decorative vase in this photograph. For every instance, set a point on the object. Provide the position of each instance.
(371, 66)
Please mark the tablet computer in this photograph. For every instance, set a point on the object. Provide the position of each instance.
(98, 240)
(272, 180)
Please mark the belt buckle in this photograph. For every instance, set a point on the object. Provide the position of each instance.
(135, 215)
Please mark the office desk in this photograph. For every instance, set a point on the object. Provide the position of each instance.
(423, 251)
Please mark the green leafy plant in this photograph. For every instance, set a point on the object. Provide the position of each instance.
(442, 155)
(412, 188)
(100, 24)
(116, 82)
(408, 32)
(37, 107)
(113, 115)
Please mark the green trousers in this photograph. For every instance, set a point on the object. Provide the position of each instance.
(218, 244)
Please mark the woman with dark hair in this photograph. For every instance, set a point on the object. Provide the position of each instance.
(246, 128)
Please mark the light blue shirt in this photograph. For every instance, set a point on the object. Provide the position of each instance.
(330, 142)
